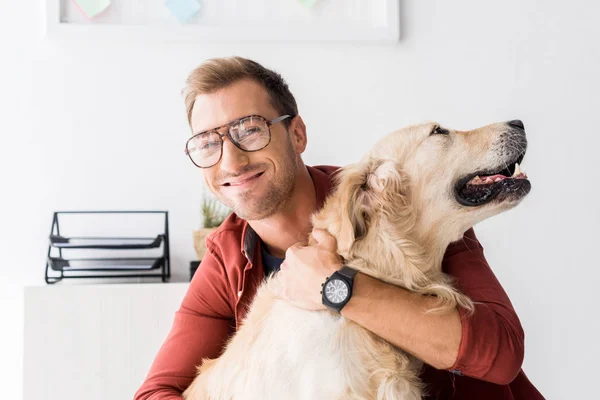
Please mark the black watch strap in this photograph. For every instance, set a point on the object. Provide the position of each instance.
(347, 272)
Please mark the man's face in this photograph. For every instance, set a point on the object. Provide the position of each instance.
(256, 184)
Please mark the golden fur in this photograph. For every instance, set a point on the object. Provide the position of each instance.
(393, 215)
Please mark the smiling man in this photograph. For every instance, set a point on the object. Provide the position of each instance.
(252, 163)
(247, 139)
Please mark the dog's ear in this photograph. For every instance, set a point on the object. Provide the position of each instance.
(363, 190)
(385, 176)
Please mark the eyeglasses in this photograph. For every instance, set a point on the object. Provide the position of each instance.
(251, 133)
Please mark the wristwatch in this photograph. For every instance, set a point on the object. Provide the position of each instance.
(337, 289)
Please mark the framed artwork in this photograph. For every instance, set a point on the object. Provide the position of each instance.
(228, 20)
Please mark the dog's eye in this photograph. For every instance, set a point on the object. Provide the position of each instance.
(440, 131)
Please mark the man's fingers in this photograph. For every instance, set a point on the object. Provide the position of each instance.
(292, 249)
(324, 239)
(278, 284)
(283, 266)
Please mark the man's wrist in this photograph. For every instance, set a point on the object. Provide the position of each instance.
(364, 285)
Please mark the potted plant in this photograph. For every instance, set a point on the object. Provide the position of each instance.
(213, 215)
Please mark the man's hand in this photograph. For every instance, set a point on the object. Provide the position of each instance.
(304, 270)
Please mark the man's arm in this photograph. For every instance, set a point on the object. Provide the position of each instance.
(399, 317)
(493, 341)
(487, 345)
(201, 327)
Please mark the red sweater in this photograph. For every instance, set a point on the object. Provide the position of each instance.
(489, 361)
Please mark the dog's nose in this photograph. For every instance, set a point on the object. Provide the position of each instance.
(516, 123)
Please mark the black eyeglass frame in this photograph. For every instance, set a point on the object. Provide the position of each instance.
(229, 125)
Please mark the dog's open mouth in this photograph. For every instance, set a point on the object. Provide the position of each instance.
(480, 188)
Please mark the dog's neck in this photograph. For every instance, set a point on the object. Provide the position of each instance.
(437, 235)
(397, 259)
(410, 256)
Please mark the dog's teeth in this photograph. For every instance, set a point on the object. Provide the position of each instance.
(517, 170)
(475, 181)
(497, 179)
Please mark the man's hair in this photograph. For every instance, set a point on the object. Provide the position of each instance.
(218, 73)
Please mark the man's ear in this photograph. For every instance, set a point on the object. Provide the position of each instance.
(364, 190)
(297, 132)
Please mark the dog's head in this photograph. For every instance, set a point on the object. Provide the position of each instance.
(427, 184)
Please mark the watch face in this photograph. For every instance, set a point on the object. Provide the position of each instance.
(336, 291)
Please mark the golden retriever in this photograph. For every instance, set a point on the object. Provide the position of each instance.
(393, 214)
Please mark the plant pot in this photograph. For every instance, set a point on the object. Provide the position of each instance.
(200, 241)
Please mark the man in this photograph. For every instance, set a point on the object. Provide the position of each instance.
(248, 139)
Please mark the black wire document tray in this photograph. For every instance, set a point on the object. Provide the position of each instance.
(105, 264)
(108, 244)
(105, 242)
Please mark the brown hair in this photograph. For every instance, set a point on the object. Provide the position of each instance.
(217, 73)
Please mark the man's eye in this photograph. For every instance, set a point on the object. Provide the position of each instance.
(250, 131)
(207, 146)
(440, 131)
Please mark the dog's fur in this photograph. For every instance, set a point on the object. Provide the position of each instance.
(393, 214)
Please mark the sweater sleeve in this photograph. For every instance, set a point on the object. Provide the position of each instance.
(201, 327)
(492, 344)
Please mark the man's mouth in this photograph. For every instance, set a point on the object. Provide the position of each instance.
(243, 179)
(510, 183)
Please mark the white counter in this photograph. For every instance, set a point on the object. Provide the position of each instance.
(94, 341)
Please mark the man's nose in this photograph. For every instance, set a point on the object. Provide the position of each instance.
(233, 158)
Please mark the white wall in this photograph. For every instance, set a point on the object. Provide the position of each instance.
(101, 125)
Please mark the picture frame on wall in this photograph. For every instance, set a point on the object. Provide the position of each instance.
(227, 20)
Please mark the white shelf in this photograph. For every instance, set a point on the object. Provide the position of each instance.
(234, 20)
